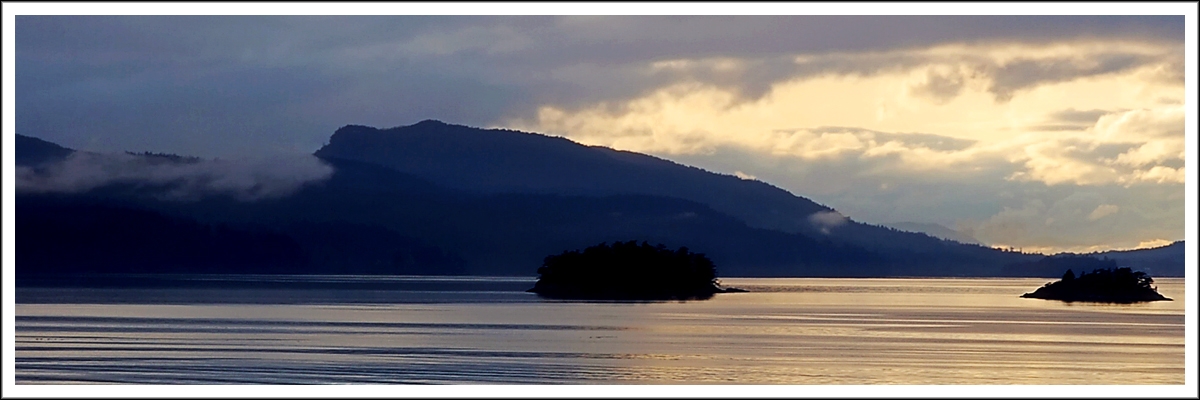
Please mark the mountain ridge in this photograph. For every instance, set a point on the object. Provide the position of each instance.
(503, 160)
(444, 202)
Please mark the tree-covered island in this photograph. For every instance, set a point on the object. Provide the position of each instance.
(628, 271)
(1109, 285)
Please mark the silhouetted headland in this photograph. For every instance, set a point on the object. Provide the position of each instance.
(628, 271)
(1119, 285)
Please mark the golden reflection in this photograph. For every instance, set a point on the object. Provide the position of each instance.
(792, 331)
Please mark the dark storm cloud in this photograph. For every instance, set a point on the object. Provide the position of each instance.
(218, 85)
(1022, 74)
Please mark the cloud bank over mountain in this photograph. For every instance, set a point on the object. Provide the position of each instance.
(245, 179)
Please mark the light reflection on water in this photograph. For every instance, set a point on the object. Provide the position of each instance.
(487, 330)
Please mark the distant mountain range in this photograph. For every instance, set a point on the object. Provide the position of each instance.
(1158, 261)
(436, 198)
(935, 230)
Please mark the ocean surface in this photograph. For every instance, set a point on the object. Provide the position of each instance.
(235, 329)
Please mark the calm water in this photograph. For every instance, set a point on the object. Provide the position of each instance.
(398, 330)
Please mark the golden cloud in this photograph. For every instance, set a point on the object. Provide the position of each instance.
(948, 91)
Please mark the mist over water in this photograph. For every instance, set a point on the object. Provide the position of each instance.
(362, 330)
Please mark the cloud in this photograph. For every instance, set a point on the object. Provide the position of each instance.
(941, 87)
(1126, 147)
(1085, 117)
(826, 220)
(288, 81)
(1142, 124)
(1149, 244)
(696, 116)
(1151, 153)
(245, 179)
(692, 119)
(744, 175)
(1059, 161)
(908, 139)
(1102, 211)
(494, 39)
(884, 135)
(1010, 77)
(1081, 220)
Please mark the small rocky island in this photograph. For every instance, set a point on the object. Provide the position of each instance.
(1110, 285)
(628, 271)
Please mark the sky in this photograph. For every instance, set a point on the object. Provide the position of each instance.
(1045, 133)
